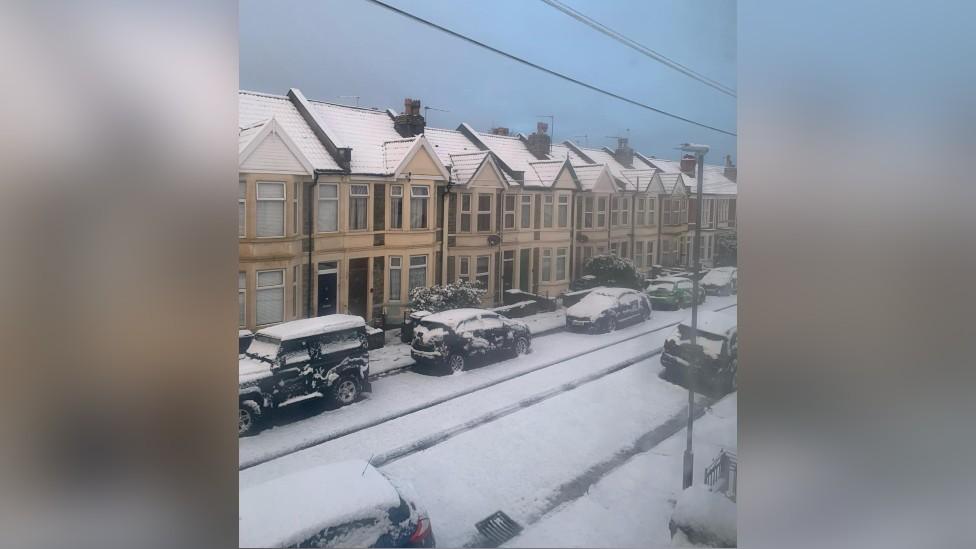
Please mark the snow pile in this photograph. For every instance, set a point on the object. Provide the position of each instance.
(720, 276)
(591, 306)
(705, 517)
(312, 326)
(291, 509)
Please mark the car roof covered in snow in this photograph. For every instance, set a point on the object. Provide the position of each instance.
(669, 279)
(614, 292)
(723, 269)
(454, 317)
(713, 322)
(312, 326)
(287, 510)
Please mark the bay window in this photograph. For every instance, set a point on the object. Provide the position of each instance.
(547, 207)
(418, 272)
(601, 212)
(465, 213)
(464, 272)
(561, 259)
(481, 271)
(563, 215)
(358, 207)
(526, 211)
(396, 277)
(588, 213)
(418, 207)
(546, 264)
(271, 209)
(241, 208)
(328, 214)
(396, 207)
(484, 213)
(270, 297)
(241, 299)
(509, 222)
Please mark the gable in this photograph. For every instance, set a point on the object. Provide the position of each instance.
(487, 176)
(565, 181)
(423, 164)
(272, 155)
(604, 183)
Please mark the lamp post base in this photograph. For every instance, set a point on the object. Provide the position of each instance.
(689, 469)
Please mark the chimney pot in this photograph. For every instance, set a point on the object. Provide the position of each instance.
(688, 163)
(410, 122)
(542, 127)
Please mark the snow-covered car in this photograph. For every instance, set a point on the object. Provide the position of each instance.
(292, 361)
(244, 338)
(721, 281)
(672, 292)
(451, 338)
(606, 308)
(345, 504)
(713, 360)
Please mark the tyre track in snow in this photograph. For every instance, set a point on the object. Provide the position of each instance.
(446, 435)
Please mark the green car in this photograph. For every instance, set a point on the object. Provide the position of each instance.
(672, 292)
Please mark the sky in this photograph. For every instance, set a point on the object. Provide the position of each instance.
(335, 48)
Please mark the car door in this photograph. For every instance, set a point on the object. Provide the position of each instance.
(495, 331)
(683, 287)
(291, 372)
(471, 336)
(629, 307)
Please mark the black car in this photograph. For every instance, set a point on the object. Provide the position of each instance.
(344, 504)
(713, 362)
(323, 356)
(451, 338)
(604, 309)
(244, 338)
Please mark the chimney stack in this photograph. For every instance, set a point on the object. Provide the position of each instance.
(499, 131)
(624, 154)
(539, 143)
(730, 170)
(410, 122)
(688, 163)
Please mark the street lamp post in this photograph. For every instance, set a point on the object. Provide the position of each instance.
(699, 152)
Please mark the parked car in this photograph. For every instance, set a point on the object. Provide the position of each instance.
(606, 308)
(721, 281)
(584, 282)
(451, 338)
(345, 504)
(323, 356)
(409, 322)
(672, 292)
(713, 361)
(244, 338)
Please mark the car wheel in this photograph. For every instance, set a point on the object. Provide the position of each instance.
(345, 391)
(732, 383)
(455, 363)
(248, 418)
(521, 346)
(611, 324)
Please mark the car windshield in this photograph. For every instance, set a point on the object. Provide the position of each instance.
(659, 286)
(716, 277)
(264, 348)
(597, 301)
(433, 325)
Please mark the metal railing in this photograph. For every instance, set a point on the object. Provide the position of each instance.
(721, 475)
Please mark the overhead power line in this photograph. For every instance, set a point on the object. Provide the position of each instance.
(548, 71)
(600, 27)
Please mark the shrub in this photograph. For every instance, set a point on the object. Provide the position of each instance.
(456, 295)
(611, 270)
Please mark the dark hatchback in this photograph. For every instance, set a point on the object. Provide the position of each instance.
(450, 339)
(713, 362)
(604, 309)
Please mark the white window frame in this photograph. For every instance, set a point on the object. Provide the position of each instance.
(650, 253)
(651, 221)
(546, 264)
(358, 196)
(614, 211)
(418, 266)
(562, 210)
(640, 216)
(294, 291)
(242, 208)
(464, 268)
(588, 219)
(509, 214)
(259, 289)
(396, 193)
(526, 204)
(294, 206)
(332, 199)
(396, 264)
(625, 211)
(478, 273)
(467, 212)
(601, 213)
(242, 297)
(479, 212)
(639, 253)
(548, 211)
(562, 261)
(281, 202)
(420, 192)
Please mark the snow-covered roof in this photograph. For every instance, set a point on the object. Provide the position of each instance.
(287, 510)
(670, 180)
(714, 322)
(638, 179)
(510, 149)
(394, 151)
(454, 317)
(588, 174)
(449, 142)
(713, 177)
(543, 173)
(364, 130)
(255, 108)
(312, 326)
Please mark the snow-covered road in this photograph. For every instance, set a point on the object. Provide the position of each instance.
(526, 436)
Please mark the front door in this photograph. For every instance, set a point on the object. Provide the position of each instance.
(508, 270)
(328, 285)
(524, 270)
(358, 285)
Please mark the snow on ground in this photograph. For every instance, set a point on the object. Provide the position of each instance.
(306, 423)
(631, 506)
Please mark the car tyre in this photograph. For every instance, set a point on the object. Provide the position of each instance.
(247, 422)
(345, 390)
(611, 324)
(521, 346)
(455, 363)
(732, 381)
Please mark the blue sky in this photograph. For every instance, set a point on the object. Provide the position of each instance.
(332, 48)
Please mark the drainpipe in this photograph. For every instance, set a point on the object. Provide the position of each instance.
(633, 219)
(660, 226)
(445, 204)
(572, 236)
(311, 232)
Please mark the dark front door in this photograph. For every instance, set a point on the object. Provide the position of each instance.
(328, 284)
(508, 270)
(524, 270)
(358, 284)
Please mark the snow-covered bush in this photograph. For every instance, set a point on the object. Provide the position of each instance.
(703, 517)
(456, 295)
(726, 249)
(614, 271)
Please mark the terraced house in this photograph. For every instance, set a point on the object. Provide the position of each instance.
(346, 209)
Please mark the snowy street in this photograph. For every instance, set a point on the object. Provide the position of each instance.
(528, 436)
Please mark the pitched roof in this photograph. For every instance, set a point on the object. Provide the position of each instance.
(394, 151)
(638, 180)
(449, 142)
(713, 177)
(588, 174)
(254, 108)
(543, 173)
(366, 131)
